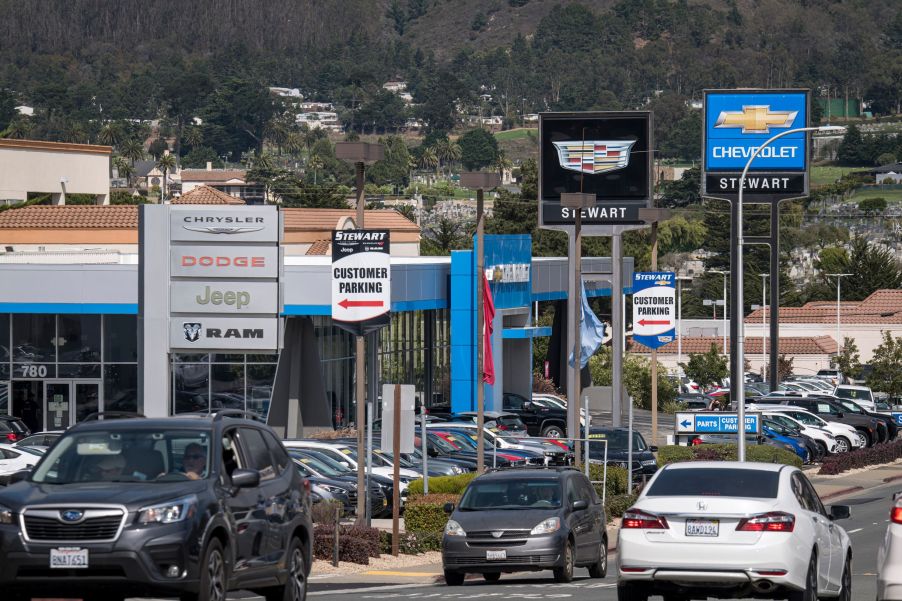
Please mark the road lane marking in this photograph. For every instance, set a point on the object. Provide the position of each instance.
(369, 589)
(393, 573)
(854, 531)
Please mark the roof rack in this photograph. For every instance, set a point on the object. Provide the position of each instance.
(221, 413)
(98, 415)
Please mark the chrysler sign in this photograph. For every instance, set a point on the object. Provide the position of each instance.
(194, 223)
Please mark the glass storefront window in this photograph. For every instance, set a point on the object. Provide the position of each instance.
(223, 358)
(4, 338)
(191, 387)
(78, 370)
(263, 358)
(78, 339)
(227, 386)
(260, 378)
(33, 338)
(120, 392)
(120, 338)
(188, 358)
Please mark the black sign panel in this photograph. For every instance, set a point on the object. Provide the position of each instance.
(607, 154)
(755, 183)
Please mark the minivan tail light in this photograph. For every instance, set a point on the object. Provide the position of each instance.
(896, 515)
(642, 520)
(775, 521)
(11, 436)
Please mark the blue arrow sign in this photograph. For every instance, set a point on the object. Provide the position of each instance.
(718, 423)
(898, 417)
(685, 423)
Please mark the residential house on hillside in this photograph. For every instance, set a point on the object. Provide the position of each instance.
(230, 181)
(891, 174)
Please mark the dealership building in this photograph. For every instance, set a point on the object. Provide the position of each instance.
(79, 311)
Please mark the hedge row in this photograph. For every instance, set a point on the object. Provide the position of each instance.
(451, 485)
(356, 544)
(881, 453)
(427, 513)
(726, 452)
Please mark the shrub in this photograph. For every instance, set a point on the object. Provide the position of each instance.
(425, 516)
(324, 511)
(616, 483)
(883, 453)
(727, 452)
(356, 544)
(453, 485)
(615, 506)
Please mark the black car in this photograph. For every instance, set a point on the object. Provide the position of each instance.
(892, 428)
(12, 429)
(831, 410)
(548, 422)
(644, 461)
(189, 506)
(522, 519)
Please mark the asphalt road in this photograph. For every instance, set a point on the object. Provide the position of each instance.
(870, 511)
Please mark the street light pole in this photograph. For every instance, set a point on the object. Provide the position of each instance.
(839, 341)
(739, 386)
(725, 325)
(763, 320)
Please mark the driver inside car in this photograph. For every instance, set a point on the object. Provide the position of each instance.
(194, 461)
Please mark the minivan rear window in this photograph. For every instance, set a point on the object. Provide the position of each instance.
(716, 482)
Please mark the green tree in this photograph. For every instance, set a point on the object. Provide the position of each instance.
(111, 133)
(681, 235)
(853, 150)
(873, 267)
(237, 114)
(443, 236)
(429, 159)
(18, 129)
(478, 149)
(682, 192)
(193, 137)
(848, 361)
(132, 149)
(872, 206)
(199, 156)
(393, 169)
(707, 369)
(157, 148)
(7, 108)
(886, 364)
(887, 158)
(124, 168)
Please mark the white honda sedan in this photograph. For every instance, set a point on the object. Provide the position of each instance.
(889, 557)
(730, 529)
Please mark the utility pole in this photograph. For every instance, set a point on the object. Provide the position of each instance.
(764, 277)
(839, 340)
(480, 181)
(360, 153)
(725, 322)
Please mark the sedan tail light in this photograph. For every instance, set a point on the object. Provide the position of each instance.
(775, 521)
(696, 441)
(896, 515)
(642, 520)
(11, 436)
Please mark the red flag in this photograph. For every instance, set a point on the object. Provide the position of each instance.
(488, 307)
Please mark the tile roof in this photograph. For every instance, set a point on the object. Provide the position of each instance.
(789, 345)
(881, 307)
(71, 217)
(299, 220)
(213, 175)
(320, 247)
(205, 195)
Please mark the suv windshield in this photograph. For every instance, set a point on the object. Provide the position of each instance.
(512, 494)
(126, 456)
(716, 482)
(617, 440)
(852, 407)
(854, 394)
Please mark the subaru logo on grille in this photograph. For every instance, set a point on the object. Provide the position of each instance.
(72, 515)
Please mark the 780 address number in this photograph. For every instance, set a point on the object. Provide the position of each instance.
(34, 371)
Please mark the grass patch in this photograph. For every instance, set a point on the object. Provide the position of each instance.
(516, 134)
(823, 175)
(891, 196)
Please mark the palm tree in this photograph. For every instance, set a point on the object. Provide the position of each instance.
(125, 170)
(264, 161)
(429, 159)
(111, 133)
(165, 163)
(75, 133)
(315, 163)
(17, 129)
(133, 150)
(447, 151)
(502, 163)
(294, 143)
(193, 137)
(277, 133)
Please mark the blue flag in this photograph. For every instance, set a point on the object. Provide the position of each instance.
(591, 332)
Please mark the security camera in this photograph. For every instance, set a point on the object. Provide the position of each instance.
(64, 180)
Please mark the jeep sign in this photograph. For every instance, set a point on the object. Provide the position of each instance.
(224, 296)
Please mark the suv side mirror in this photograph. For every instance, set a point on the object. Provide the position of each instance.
(449, 508)
(653, 448)
(580, 505)
(528, 406)
(840, 415)
(244, 478)
(840, 512)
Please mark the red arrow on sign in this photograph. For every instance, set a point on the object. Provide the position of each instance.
(654, 322)
(346, 304)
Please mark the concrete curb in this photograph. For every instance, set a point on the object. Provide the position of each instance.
(842, 492)
(892, 479)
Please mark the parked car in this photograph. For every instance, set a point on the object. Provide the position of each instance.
(335, 486)
(464, 446)
(889, 556)
(12, 429)
(526, 519)
(800, 446)
(695, 402)
(730, 529)
(160, 507)
(858, 394)
(644, 462)
(830, 375)
(324, 466)
(40, 439)
(847, 437)
(544, 421)
(831, 410)
(825, 441)
(499, 420)
(555, 453)
(892, 428)
(14, 459)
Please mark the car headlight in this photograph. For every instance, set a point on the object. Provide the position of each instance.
(6, 515)
(168, 513)
(457, 469)
(547, 527)
(452, 528)
(335, 490)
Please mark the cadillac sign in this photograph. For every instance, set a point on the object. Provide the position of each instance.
(607, 154)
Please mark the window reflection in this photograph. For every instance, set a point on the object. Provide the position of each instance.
(33, 337)
(78, 339)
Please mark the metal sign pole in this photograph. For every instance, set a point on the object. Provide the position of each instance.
(617, 323)
(654, 351)
(425, 451)
(396, 475)
(480, 333)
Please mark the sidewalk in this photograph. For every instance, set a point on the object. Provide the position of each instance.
(829, 487)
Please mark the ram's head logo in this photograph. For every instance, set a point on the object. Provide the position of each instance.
(192, 331)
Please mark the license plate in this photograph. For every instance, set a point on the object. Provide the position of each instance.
(702, 527)
(496, 554)
(68, 557)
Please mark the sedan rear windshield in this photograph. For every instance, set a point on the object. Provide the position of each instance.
(716, 482)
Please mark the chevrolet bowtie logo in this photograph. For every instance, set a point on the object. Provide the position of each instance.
(755, 119)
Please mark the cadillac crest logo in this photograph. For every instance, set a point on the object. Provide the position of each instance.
(594, 156)
(192, 331)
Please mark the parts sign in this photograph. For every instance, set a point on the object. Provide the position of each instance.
(361, 279)
(654, 308)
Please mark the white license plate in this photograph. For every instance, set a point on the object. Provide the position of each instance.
(702, 527)
(68, 557)
(496, 554)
